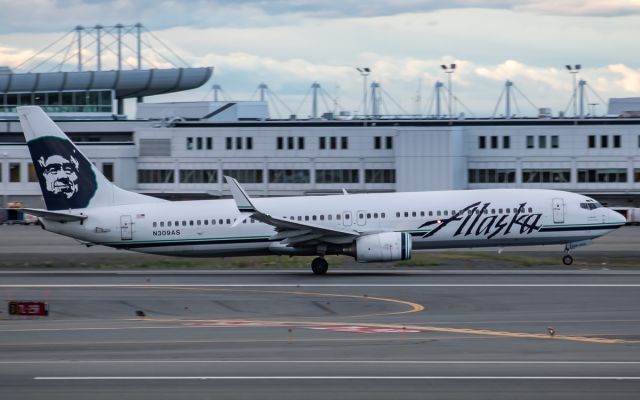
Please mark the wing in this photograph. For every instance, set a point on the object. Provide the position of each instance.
(57, 216)
(289, 232)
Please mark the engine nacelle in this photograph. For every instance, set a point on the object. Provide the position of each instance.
(387, 246)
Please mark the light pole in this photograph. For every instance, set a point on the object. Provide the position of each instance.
(449, 69)
(364, 71)
(573, 70)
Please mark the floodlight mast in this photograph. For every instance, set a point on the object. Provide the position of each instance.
(449, 70)
(573, 70)
(364, 72)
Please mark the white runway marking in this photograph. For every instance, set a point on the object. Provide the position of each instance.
(385, 377)
(304, 285)
(400, 362)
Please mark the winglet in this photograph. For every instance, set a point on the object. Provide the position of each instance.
(243, 202)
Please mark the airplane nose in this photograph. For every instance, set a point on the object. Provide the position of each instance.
(616, 217)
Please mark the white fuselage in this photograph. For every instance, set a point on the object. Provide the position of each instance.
(446, 219)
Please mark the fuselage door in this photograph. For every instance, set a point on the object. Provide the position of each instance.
(361, 217)
(346, 218)
(558, 210)
(126, 229)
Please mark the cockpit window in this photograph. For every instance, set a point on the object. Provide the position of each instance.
(591, 205)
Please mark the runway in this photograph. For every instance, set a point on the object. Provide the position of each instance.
(356, 335)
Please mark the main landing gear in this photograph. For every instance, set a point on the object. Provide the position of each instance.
(567, 259)
(319, 266)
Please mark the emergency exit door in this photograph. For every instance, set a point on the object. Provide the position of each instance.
(126, 230)
(558, 211)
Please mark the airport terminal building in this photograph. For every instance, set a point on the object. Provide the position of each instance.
(183, 150)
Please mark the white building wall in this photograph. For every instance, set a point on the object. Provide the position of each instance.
(429, 159)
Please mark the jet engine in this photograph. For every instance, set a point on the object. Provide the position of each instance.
(386, 246)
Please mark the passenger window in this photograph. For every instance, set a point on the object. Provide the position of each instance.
(206, 222)
(213, 222)
(198, 222)
(431, 213)
(244, 221)
(177, 223)
(156, 224)
(493, 211)
(299, 218)
(191, 222)
(306, 217)
(530, 209)
(329, 217)
(253, 221)
(221, 221)
(228, 221)
(438, 213)
(406, 214)
(361, 216)
(184, 223)
(422, 213)
(499, 210)
(413, 214)
(337, 217)
(347, 216)
(397, 215)
(368, 215)
(446, 212)
(162, 224)
(168, 223)
(313, 217)
(382, 215)
(375, 215)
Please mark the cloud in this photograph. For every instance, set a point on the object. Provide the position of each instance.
(514, 70)
(627, 78)
(63, 15)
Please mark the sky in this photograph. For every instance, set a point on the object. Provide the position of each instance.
(290, 44)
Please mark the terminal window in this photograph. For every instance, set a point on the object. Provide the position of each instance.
(14, 172)
(603, 175)
(389, 141)
(289, 176)
(592, 141)
(198, 176)
(506, 142)
(530, 142)
(245, 175)
(555, 142)
(616, 141)
(337, 176)
(377, 142)
(95, 101)
(107, 170)
(492, 175)
(482, 142)
(380, 176)
(546, 175)
(31, 173)
(155, 176)
(494, 142)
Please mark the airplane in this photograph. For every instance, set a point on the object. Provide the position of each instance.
(382, 227)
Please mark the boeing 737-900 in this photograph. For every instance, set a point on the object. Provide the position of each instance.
(83, 204)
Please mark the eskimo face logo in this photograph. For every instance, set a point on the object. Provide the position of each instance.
(60, 174)
(66, 177)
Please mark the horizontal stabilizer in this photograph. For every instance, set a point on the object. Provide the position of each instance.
(53, 215)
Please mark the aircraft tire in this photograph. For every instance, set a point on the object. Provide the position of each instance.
(319, 266)
(567, 260)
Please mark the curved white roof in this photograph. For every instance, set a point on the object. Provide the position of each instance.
(126, 83)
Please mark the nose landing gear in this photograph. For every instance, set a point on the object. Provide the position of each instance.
(319, 266)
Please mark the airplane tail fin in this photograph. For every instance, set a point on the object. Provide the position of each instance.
(68, 180)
